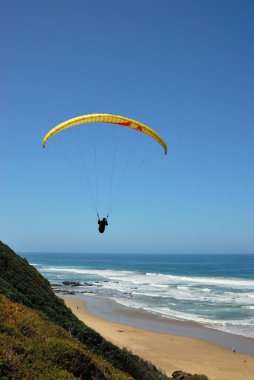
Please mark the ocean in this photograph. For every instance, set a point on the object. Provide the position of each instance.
(215, 290)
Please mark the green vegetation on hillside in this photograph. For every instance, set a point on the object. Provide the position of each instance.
(31, 347)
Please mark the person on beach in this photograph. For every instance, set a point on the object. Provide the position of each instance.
(102, 224)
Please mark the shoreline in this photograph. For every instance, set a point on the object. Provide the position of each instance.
(112, 311)
(168, 351)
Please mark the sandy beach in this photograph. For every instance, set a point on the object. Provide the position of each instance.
(167, 351)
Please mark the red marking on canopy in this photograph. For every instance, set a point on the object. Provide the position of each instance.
(139, 128)
(124, 123)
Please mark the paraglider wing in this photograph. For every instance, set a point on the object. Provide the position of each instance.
(107, 118)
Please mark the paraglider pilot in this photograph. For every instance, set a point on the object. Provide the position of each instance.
(102, 224)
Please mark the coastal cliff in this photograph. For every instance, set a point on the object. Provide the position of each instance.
(44, 336)
(41, 338)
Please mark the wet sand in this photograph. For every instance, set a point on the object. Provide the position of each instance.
(169, 352)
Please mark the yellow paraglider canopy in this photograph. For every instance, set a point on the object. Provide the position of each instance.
(106, 118)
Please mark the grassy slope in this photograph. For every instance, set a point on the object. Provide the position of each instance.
(22, 283)
(31, 347)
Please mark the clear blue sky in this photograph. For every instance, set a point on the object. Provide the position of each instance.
(183, 67)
